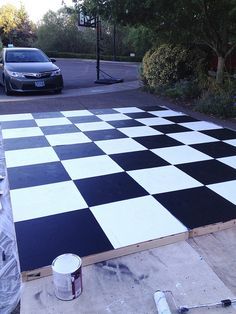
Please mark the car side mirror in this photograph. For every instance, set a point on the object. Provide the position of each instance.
(53, 60)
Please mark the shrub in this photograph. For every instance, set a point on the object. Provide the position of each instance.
(182, 74)
(183, 90)
(168, 64)
(218, 103)
(146, 66)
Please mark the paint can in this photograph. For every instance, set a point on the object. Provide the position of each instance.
(67, 276)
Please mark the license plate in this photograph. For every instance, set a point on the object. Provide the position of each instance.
(40, 84)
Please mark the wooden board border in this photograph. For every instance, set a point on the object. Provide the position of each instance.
(96, 258)
(212, 228)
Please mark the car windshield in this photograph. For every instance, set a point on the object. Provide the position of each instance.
(19, 56)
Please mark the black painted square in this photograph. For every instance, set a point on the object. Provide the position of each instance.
(209, 171)
(41, 240)
(77, 151)
(34, 175)
(140, 115)
(197, 207)
(152, 108)
(25, 142)
(216, 149)
(157, 141)
(138, 160)
(84, 119)
(170, 128)
(181, 119)
(104, 134)
(47, 115)
(59, 129)
(109, 188)
(221, 134)
(125, 123)
(18, 124)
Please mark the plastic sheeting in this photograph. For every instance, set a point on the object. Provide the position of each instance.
(10, 278)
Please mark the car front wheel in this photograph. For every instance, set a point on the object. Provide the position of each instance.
(58, 91)
(7, 90)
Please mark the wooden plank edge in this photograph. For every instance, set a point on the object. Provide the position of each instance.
(96, 258)
(135, 248)
(212, 228)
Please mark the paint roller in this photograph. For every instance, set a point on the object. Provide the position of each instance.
(161, 303)
(163, 307)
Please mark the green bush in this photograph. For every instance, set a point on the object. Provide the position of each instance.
(183, 90)
(217, 103)
(168, 64)
(57, 54)
(182, 74)
(146, 66)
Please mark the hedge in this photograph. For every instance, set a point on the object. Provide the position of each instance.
(57, 54)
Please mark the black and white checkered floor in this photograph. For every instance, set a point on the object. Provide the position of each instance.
(89, 181)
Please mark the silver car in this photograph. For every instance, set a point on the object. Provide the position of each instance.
(28, 70)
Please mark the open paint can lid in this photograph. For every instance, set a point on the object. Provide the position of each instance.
(66, 263)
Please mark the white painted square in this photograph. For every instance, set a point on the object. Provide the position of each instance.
(94, 126)
(154, 121)
(139, 131)
(136, 220)
(231, 142)
(113, 117)
(230, 161)
(67, 139)
(163, 179)
(129, 110)
(76, 113)
(90, 167)
(226, 190)
(166, 113)
(200, 125)
(16, 117)
(46, 200)
(21, 132)
(117, 146)
(180, 154)
(30, 156)
(52, 121)
(192, 137)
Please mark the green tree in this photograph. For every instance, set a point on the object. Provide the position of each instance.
(58, 31)
(25, 30)
(15, 26)
(200, 22)
(7, 22)
(139, 38)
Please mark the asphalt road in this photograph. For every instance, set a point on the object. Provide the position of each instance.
(82, 73)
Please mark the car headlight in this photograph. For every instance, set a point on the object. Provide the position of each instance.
(15, 74)
(56, 73)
